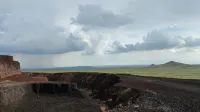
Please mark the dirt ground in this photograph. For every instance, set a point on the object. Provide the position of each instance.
(121, 92)
(146, 93)
(172, 94)
(52, 103)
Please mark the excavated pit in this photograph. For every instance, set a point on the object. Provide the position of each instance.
(83, 92)
(37, 97)
(119, 93)
(23, 93)
(129, 93)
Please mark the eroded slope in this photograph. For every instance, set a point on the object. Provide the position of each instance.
(125, 92)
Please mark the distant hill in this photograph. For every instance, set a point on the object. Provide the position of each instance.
(88, 67)
(152, 65)
(168, 64)
(173, 63)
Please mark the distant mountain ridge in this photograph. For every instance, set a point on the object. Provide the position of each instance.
(88, 67)
(168, 64)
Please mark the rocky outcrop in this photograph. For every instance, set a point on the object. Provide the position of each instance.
(20, 97)
(8, 66)
(10, 71)
(24, 78)
(14, 86)
(91, 80)
(12, 92)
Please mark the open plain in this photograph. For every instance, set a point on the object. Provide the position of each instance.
(170, 69)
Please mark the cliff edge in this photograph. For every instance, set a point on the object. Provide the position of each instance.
(8, 67)
(10, 71)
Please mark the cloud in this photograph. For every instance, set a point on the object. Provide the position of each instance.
(173, 29)
(156, 13)
(30, 28)
(156, 40)
(95, 16)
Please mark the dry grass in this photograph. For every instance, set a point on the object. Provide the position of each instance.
(183, 72)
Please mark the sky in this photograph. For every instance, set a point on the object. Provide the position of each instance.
(57, 33)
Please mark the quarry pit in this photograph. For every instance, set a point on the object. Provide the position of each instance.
(84, 92)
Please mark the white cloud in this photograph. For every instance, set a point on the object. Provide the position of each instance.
(31, 28)
(43, 28)
(156, 40)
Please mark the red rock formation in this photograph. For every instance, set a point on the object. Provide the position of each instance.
(8, 66)
(10, 71)
(24, 78)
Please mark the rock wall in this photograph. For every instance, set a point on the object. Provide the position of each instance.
(10, 93)
(23, 97)
(8, 66)
(94, 81)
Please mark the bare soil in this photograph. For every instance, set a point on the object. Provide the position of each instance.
(130, 93)
(120, 92)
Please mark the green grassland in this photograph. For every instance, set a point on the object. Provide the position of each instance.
(168, 70)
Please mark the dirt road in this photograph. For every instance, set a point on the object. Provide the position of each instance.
(159, 84)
